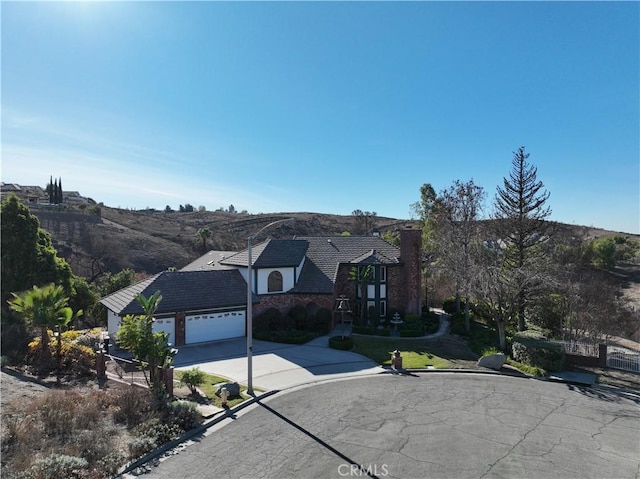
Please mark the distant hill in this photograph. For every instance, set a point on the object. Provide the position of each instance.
(100, 238)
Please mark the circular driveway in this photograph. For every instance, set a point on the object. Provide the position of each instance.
(433, 425)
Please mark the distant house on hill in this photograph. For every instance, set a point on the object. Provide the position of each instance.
(207, 299)
(36, 195)
(29, 195)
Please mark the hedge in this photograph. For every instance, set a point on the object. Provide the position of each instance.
(343, 343)
(371, 331)
(532, 348)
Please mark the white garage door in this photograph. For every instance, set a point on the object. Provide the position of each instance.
(211, 327)
(166, 325)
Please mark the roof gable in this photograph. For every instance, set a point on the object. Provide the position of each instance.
(271, 254)
(326, 254)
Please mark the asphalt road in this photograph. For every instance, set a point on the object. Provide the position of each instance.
(433, 425)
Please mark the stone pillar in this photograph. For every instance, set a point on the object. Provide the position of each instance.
(101, 366)
(602, 355)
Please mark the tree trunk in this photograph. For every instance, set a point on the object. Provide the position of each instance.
(521, 307)
(467, 319)
(502, 335)
(45, 352)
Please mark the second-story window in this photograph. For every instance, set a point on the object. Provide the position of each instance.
(274, 281)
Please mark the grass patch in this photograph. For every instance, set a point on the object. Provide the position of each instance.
(415, 354)
(210, 386)
(526, 368)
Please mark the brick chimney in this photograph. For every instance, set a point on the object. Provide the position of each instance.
(410, 254)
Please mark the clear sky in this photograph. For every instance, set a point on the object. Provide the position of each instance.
(324, 106)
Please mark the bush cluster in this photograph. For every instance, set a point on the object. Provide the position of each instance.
(61, 434)
(533, 349)
(69, 433)
(299, 325)
(342, 343)
(77, 352)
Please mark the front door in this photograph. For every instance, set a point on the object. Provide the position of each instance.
(180, 332)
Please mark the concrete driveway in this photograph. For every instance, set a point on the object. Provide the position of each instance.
(275, 366)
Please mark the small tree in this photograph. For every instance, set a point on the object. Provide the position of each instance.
(153, 349)
(193, 378)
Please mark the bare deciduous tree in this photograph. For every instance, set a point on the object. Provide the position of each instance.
(457, 210)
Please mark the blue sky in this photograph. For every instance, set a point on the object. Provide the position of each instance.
(324, 106)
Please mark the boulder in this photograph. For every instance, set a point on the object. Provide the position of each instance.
(493, 361)
(233, 390)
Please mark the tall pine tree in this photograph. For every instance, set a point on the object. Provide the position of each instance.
(521, 210)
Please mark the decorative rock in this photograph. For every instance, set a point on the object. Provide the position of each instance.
(493, 361)
(233, 390)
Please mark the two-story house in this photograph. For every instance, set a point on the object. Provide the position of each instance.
(207, 300)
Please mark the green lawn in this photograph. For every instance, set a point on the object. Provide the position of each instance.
(416, 354)
(210, 386)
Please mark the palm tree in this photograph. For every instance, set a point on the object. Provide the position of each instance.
(361, 276)
(204, 233)
(44, 307)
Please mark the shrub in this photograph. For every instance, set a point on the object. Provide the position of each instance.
(54, 466)
(410, 333)
(139, 446)
(449, 305)
(78, 359)
(269, 320)
(71, 335)
(298, 316)
(156, 431)
(342, 343)
(185, 415)
(371, 331)
(458, 324)
(131, 405)
(530, 347)
(286, 337)
(193, 378)
(322, 323)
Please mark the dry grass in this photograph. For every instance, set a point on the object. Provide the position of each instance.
(83, 431)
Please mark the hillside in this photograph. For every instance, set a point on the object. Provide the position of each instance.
(109, 239)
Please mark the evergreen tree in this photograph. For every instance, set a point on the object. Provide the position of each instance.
(521, 211)
(50, 189)
(28, 255)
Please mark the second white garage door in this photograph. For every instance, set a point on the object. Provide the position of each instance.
(215, 326)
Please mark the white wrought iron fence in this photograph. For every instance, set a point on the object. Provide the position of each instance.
(579, 348)
(625, 359)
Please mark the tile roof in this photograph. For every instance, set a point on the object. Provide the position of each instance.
(271, 254)
(210, 260)
(325, 254)
(183, 291)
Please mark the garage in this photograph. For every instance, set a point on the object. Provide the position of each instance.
(165, 325)
(214, 326)
(196, 306)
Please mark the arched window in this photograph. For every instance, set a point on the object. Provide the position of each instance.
(274, 281)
